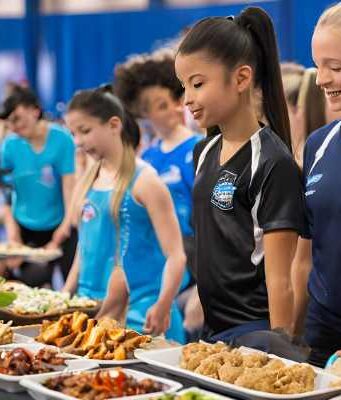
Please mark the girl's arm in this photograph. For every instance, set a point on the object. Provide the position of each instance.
(63, 231)
(115, 303)
(301, 268)
(13, 235)
(154, 195)
(279, 248)
(12, 227)
(72, 278)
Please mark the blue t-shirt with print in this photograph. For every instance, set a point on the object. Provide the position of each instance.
(37, 195)
(322, 179)
(176, 169)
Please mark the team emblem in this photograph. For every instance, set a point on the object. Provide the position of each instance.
(222, 195)
(88, 212)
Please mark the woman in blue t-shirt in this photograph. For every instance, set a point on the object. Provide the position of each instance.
(130, 246)
(41, 157)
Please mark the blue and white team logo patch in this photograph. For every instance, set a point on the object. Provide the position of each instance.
(313, 179)
(88, 212)
(223, 191)
(47, 177)
(172, 175)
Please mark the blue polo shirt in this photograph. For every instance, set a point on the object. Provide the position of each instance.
(37, 196)
(175, 168)
(322, 178)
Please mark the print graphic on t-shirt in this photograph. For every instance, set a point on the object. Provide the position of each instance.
(313, 179)
(172, 175)
(223, 191)
(47, 177)
(189, 157)
(88, 212)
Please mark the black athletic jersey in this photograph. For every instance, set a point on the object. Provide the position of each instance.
(258, 190)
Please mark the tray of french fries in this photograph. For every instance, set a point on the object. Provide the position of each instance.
(33, 305)
(39, 254)
(103, 340)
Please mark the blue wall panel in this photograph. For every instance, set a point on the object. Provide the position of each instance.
(85, 48)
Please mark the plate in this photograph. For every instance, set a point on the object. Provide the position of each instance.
(10, 383)
(40, 254)
(32, 319)
(39, 392)
(170, 360)
(196, 390)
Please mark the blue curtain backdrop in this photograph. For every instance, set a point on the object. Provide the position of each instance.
(85, 48)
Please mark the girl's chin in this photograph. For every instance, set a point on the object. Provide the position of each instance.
(335, 107)
(93, 154)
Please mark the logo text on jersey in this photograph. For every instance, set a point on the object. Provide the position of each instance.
(223, 191)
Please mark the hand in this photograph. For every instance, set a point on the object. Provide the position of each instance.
(14, 262)
(193, 312)
(157, 319)
(14, 237)
(59, 236)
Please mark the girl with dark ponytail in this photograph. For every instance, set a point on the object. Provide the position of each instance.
(248, 200)
(130, 252)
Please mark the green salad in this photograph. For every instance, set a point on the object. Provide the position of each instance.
(191, 395)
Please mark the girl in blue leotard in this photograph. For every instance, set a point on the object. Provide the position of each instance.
(126, 220)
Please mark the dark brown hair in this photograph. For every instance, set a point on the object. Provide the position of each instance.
(249, 38)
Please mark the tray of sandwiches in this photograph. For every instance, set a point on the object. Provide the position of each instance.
(39, 254)
(33, 305)
(245, 373)
(103, 340)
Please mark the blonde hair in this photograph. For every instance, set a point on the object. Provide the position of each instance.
(125, 175)
(292, 75)
(330, 17)
(301, 91)
(103, 106)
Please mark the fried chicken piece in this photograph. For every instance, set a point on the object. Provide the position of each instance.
(217, 347)
(116, 334)
(233, 358)
(135, 342)
(255, 360)
(98, 353)
(298, 378)
(258, 379)
(275, 364)
(108, 323)
(194, 361)
(120, 353)
(192, 348)
(209, 367)
(91, 336)
(227, 373)
(65, 340)
(51, 332)
(79, 320)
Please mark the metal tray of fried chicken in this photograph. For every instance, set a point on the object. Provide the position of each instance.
(103, 340)
(18, 361)
(245, 373)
